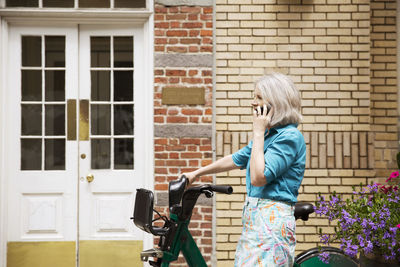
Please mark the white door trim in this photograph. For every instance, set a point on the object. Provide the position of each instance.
(3, 191)
(148, 27)
(148, 43)
(95, 16)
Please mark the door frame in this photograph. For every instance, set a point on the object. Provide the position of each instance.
(142, 18)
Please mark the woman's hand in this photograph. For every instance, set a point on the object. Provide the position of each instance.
(191, 177)
(261, 121)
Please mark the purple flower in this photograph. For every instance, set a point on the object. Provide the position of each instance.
(322, 210)
(360, 240)
(334, 200)
(368, 249)
(325, 239)
(351, 250)
(373, 188)
(368, 220)
(324, 257)
(364, 223)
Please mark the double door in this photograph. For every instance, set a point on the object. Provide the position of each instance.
(74, 139)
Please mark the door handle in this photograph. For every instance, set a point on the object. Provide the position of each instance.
(90, 177)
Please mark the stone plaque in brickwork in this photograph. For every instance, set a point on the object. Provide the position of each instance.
(183, 95)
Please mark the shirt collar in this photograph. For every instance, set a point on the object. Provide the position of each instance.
(279, 128)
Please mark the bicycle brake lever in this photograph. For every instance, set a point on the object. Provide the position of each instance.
(208, 193)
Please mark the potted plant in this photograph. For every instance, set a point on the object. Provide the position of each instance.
(368, 224)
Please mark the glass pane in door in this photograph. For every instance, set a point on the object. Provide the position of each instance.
(123, 119)
(31, 154)
(94, 3)
(55, 51)
(101, 154)
(54, 154)
(101, 119)
(55, 85)
(123, 151)
(123, 85)
(130, 4)
(112, 103)
(22, 3)
(31, 85)
(31, 119)
(100, 48)
(58, 3)
(31, 51)
(123, 51)
(100, 87)
(54, 120)
(43, 103)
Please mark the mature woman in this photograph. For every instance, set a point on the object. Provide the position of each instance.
(275, 163)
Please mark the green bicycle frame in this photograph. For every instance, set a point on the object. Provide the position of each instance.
(184, 242)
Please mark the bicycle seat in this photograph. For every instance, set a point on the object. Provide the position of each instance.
(302, 210)
(143, 213)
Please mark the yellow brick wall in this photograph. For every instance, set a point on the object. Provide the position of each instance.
(384, 98)
(342, 56)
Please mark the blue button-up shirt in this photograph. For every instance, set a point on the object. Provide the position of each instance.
(285, 160)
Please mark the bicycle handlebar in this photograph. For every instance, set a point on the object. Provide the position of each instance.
(191, 195)
(226, 189)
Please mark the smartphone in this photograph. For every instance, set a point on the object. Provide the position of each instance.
(262, 109)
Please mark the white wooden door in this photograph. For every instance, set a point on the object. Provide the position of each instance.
(75, 137)
(41, 166)
(111, 80)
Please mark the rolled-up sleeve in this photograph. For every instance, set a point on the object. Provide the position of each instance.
(241, 157)
(279, 156)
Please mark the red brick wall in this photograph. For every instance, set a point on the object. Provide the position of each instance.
(183, 30)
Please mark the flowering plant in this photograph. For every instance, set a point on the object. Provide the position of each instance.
(367, 223)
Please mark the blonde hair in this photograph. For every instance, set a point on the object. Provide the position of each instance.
(278, 90)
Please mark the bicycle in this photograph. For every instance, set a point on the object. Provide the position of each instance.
(176, 237)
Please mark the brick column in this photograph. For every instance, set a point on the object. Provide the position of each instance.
(183, 104)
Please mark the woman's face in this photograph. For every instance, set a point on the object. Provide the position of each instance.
(257, 100)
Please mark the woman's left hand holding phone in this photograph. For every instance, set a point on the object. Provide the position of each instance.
(262, 119)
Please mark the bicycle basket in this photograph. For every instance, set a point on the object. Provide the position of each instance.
(143, 213)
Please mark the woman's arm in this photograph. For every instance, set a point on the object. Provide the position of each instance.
(257, 162)
(224, 164)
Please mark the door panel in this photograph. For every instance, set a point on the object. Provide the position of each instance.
(42, 189)
(111, 86)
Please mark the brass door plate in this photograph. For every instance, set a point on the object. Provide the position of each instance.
(71, 119)
(84, 120)
(183, 95)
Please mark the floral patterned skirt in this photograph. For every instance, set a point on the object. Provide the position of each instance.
(268, 235)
